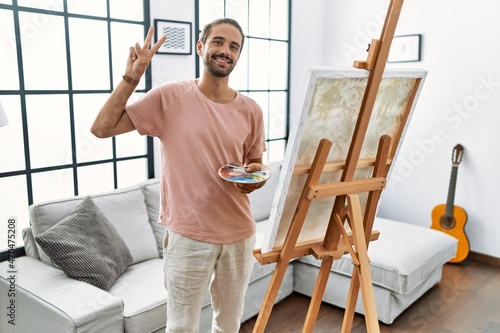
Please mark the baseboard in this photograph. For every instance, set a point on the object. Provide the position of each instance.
(494, 261)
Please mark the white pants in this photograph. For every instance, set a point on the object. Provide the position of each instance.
(191, 267)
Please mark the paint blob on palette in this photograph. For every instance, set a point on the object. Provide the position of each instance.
(237, 173)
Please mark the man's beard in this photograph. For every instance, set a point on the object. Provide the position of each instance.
(215, 70)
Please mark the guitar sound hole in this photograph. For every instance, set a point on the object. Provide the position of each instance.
(448, 222)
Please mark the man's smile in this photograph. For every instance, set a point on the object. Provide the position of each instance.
(222, 60)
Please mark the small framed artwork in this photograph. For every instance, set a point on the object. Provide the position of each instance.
(178, 36)
(405, 48)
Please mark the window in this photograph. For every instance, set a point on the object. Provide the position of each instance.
(60, 61)
(263, 69)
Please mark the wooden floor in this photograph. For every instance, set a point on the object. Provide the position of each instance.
(466, 300)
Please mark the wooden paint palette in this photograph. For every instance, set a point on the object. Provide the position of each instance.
(236, 173)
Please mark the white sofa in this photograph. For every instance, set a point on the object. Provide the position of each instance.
(406, 261)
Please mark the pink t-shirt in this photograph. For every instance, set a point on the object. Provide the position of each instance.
(198, 136)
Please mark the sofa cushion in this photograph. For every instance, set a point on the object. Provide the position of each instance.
(261, 200)
(87, 247)
(125, 209)
(144, 296)
(402, 257)
(151, 189)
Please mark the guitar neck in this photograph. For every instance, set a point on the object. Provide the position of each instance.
(451, 191)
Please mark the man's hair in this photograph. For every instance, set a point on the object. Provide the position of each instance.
(208, 28)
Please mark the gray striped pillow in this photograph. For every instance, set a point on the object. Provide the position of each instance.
(87, 247)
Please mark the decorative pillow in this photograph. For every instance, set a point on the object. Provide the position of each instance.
(86, 246)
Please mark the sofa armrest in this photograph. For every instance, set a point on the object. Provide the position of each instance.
(41, 298)
(30, 243)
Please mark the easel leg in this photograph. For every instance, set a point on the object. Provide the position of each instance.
(363, 271)
(371, 207)
(271, 294)
(317, 296)
(292, 236)
(352, 300)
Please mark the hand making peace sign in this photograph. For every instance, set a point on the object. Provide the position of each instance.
(140, 57)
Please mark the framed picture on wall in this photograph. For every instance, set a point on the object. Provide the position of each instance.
(405, 48)
(178, 36)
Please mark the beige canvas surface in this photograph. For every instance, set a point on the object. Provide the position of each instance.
(330, 111)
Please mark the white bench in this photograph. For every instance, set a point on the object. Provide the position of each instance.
(405, 262)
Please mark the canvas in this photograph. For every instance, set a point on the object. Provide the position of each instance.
(331, 109)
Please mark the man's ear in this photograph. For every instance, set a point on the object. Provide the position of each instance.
(199, 48)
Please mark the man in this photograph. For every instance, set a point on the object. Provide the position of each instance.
(202, 124)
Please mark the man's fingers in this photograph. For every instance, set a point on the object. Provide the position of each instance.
(247, 188)
(149, 38)
(131, 53)
(254, 167)
(159, 43)
(147, 43)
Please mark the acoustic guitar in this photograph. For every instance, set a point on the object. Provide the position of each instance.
(449, 218)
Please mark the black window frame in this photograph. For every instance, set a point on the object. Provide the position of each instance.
(29, 171)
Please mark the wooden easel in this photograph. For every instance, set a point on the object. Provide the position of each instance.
(346, 207)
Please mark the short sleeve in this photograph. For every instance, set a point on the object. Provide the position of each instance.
(147, 113)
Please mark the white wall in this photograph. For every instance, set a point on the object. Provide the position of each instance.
(460, 50)
(460, 99)
(167, 67)
(308, 49)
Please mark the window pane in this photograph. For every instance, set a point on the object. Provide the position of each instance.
(279, 65)
(132, 10)
(44, 51)
(11, 136)
(262, 98)
(258, 60)
(88, 7)
(259, 18)
(132, 172)
(88, 147)
(49, 115)
(239, 77)
(14, 203)
(123, 36)
(56, 5)
(238, 10)
(130, 144)
(275, 150)
(89, 54)
(9, 52)
(95, 179)
(210, 10)
(52, 185)
(279, 19)
(49, 130)
(277, 115)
